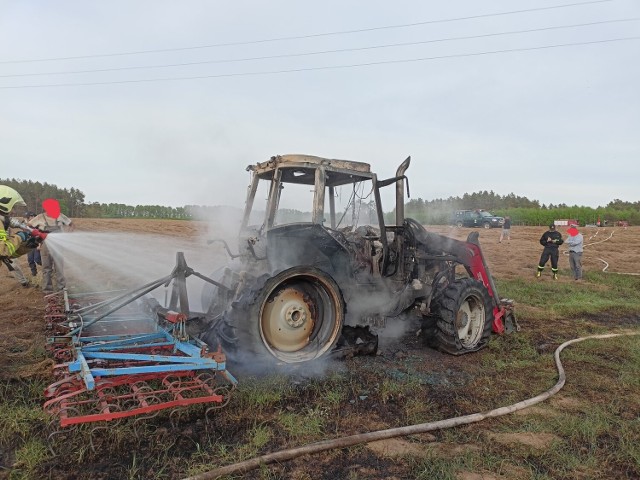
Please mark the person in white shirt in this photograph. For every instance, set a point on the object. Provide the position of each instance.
(53, 221)
(575, 241)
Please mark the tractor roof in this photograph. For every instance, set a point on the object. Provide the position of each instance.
(301, 169)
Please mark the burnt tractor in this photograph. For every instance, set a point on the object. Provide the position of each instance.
(300, 290)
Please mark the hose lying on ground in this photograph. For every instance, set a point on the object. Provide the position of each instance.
(284, 455)
(606, 265)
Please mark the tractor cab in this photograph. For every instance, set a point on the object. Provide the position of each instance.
(299, 184)
(312, 204)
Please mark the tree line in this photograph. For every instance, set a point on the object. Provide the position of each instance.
(72, 203)
(429, 212)
(33, 193)
(521, 210)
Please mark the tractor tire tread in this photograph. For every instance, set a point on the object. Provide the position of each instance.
(447, 308)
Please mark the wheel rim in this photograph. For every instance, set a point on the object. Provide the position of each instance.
(300, 318)
(287, 320)
(470, 321)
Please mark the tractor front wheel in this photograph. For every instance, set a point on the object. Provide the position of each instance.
(465, 317)
(292, 317)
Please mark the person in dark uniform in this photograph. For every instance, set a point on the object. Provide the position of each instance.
(33, 257)
(550, 240)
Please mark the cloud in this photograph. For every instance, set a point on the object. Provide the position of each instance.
(558, 125)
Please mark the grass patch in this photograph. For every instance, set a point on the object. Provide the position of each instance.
(417, 410)
(261, 393)
(23, 423)
(303, 426)
(28, 458)
(439, 465)
(434, 466)
(20, 422)
(600, 293)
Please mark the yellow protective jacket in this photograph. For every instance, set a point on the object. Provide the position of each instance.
(11, 245)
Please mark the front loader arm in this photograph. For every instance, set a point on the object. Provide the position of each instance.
(478, 269)
(469, 254)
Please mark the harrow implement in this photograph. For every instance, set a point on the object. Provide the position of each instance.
(121, 354)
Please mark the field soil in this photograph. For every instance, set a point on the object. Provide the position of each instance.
(616, 250)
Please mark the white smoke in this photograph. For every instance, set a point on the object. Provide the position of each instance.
(103, 262)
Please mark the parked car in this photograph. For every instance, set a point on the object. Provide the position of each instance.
(476, 218)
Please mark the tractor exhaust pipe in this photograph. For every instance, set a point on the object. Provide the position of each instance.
(400, 179)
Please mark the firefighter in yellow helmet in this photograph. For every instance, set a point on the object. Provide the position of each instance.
(19, 243)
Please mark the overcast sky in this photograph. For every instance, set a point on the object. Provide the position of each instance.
(552, 113)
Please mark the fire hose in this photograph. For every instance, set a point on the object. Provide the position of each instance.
(39, 235)
(606, 264)
(34, 232)
(348, 441)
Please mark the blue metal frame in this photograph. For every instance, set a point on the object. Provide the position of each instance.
(106, 348)
(129, 357)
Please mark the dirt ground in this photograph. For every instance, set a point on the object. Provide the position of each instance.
(615, 250)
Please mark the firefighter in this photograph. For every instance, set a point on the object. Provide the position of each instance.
(16, 244)
(550, 240)
(6, 259)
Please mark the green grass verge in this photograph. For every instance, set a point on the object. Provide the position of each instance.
(599, 293)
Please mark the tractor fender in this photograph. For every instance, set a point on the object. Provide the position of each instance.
(310, 244)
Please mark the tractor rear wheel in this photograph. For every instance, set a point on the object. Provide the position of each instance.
(465, 317)
(294, 316)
